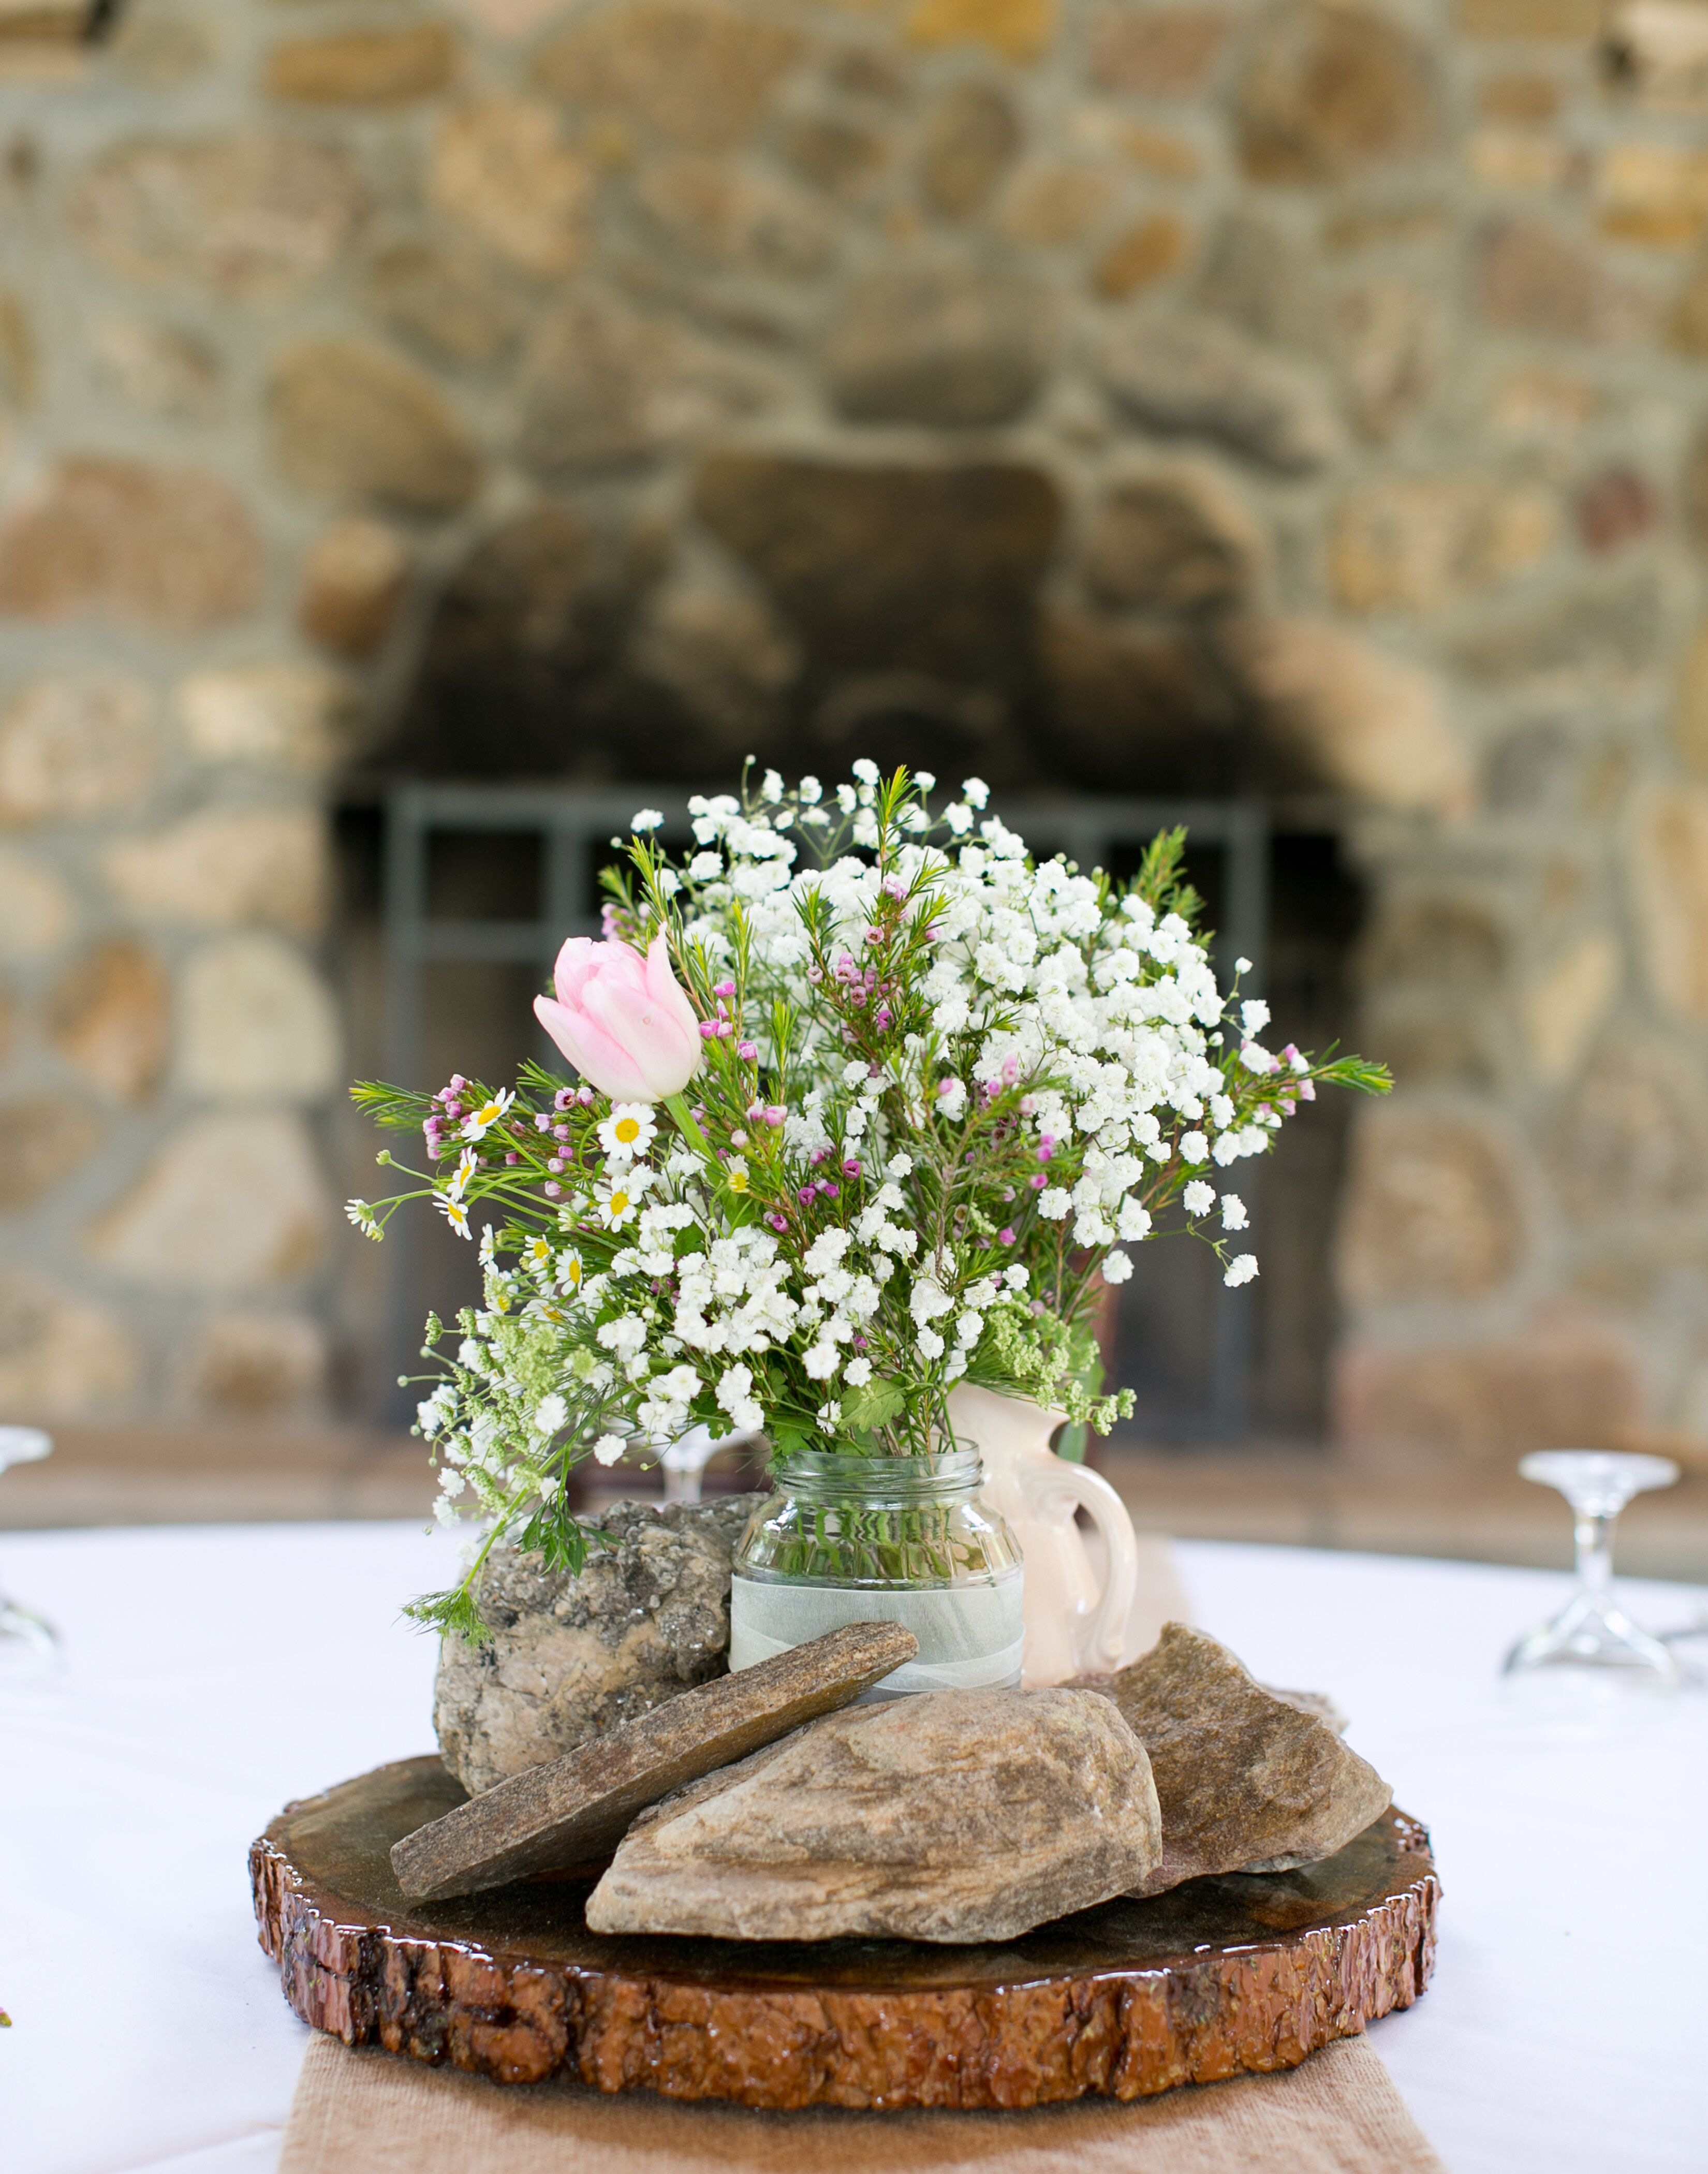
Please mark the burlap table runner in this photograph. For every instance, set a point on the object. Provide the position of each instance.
(374, 2113)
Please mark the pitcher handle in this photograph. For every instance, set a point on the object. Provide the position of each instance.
(1053, 1481)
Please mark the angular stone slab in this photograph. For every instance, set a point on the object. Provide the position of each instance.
(952, 1816)
(573, 1809)
(1248, 1781)
(1127, 1999)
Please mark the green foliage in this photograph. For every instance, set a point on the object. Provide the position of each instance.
(398, 1109)
(1160, 883)
(871, 1406)
(1051, 1361)
(453, 1614)
(556, 1536)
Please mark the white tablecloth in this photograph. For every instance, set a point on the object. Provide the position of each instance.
(213, 1672)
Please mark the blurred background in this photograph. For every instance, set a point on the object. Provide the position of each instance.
(426, 431)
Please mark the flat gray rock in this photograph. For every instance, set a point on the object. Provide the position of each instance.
(572, 1657)
(952, 1816)
(1247, 1780)
(573, 1810)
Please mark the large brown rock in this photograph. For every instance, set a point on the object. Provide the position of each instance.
(1421, 543)
(1172, 538)
(502, 169)
(573, 1657)
(1608, 629)
(716, 213)
(273, 714)
(1156, 53)
(1632, 1140)
(256, 1023)
(1141, 255)
(36, 910)
(227, 1203)
(265, 865)
(257, 1365)
(75, 746)
(248, 217)
(723, 652)
(49, 1137)
(108, 1014)
(952, 1816)
(1667, 857)
(941, 343)
(173, 550)
(1330, 91)
(364, 67)
(1354, 717)
(60, 1357)
(971, 135)
(605, 386)
(1537, 280)
(1247, 1779)
(353, 577)
(1437, 941)
(445, 300)
(696, 71)
(1432, 1209)
(931, 567)
(1574, 1379)
(353, 422)
(1194, 377)
(1383, 334)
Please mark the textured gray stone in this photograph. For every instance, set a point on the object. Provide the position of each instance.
(1247, 1780)
(605, 385)
(939, 343)
(952, 1816)
(573, 1658)
(1191, 378)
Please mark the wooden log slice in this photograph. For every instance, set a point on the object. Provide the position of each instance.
(1130, 1999)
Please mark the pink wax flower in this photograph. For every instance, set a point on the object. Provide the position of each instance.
(623, 1021)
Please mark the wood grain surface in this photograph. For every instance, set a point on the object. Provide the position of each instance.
(1223, 1974)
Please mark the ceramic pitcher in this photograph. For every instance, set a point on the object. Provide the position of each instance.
(1072, 1629)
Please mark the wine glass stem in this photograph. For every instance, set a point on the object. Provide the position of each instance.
(1594, 1536)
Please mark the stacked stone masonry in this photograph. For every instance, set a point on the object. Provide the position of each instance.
(1286, 395)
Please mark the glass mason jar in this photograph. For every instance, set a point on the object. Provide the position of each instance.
(897, 1540)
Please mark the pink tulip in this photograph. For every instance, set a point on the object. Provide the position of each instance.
(623, 1021)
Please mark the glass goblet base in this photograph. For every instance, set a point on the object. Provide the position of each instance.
(1591, 1630)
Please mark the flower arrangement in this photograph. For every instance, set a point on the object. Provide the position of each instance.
(870, 1102)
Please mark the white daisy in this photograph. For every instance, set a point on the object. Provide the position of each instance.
(454, 1214)
(629, 1130)
(479, 1122)
(617, 1203)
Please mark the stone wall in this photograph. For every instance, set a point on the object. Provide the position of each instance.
(1278, 396)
